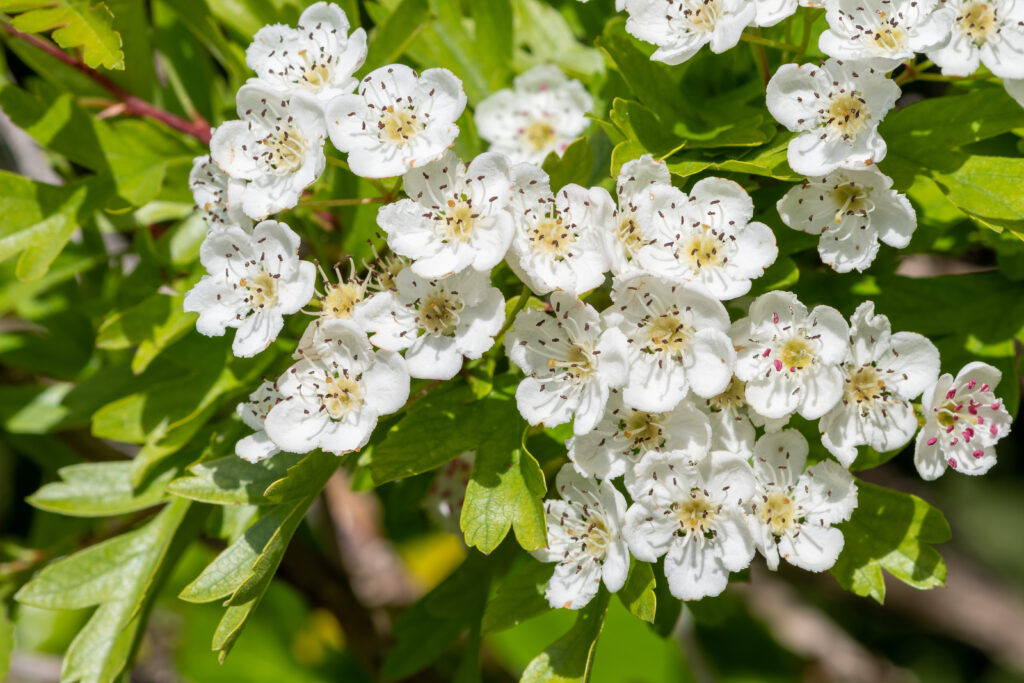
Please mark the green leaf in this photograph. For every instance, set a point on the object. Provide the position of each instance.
(571, 658)
(638, 594)
(394, 36)
(656, 85)
(492, 20)
(232, 481)
(506, 491)
(573, 166)
(151, 325)
(894, 531)
(304, 478)
(75, 23)
(519, 597)
(6, 641)
(99, 490)
(122, 576)
(988, 188)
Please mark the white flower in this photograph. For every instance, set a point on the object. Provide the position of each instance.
(884, 33)
(793, 510)
(1015, 89)
(278, 146)
(694, 516)
(257, 446)
(771, 12)
(677, 338)
(254, 281)
(680, 28)
(542, 113)
(638, 181)
(963, 422)
(731, 427)
(624, 435)
(318, 57)
(217, 195)
(558, 242)
(396, 121)
(455, 217)
(984, 31)
(884, 373)
(585, 539)
(851, 211)
(706, 238)
(333, 402)
(440, 321)
(349, 300)
(570, 360)
(836, 108)
(790, 358)
(447, 493)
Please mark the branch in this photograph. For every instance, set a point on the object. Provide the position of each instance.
(132, 105)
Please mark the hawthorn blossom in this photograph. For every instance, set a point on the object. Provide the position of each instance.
(793, 510)
(884, 33)
(732, 429)
(332, 402)
(257, 446)
(624, 435)
(277, 145)
(455, 218)
(790, 358)
(571, 363)
(693, 515)
(318, 56)
(1015, 89)
(851, 211)
(397, 120)
(989, 32)
(217, 195)
(706, 238)
(439, 321)
(585, 539)
(680, 28)
(963, 421)
(883, 374)
(677, 339)
(638, 180)
(447, 493)
(542, 113)
(253, 281)
(350, 299)
(558, 241)
(771, 12)
(836, 108)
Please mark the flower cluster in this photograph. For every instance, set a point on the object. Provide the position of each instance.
(663, 388)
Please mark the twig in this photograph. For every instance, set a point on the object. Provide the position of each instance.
(766, 42)
(344, 202)
(133, 106)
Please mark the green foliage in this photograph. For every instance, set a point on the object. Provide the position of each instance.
(638, 595)
(894, 531)
(75, 24)
(100, 490)
(571, 657)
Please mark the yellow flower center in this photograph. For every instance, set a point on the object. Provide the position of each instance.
(703, 249)
(539, 135)
(285, 149)
(797, 353)
(948, 414)
(849, 197)
(864, 385)
(399, 126)
(668, 334)
(889, 38)
(316, 74)
(340, 300)
(644, 430)
(439, 314)
(341, 395)
(696, 514)
(704, 15)
(778, 512)
(846, 116)
(262, 290)
(579, 363)
(459, 221)
(629, 234)
(550, 236)
(979, 21)
(732, 397)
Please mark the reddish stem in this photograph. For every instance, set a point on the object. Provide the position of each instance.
(133, 106)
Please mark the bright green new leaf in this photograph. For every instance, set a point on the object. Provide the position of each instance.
(232, 481)
(75, 24)
(6, 642)
(506, 490)
(570, 658)
(573, 166)
(894, 531)
(99, 490)
(638, 594)
(304, 478)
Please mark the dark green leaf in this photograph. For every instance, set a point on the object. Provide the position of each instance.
(574, 165)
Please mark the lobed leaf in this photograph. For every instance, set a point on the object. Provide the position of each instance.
(75, 24)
